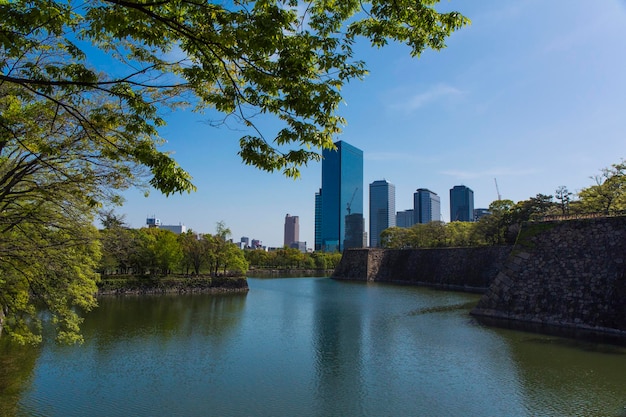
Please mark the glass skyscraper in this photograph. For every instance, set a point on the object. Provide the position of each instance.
(382, 209)
(461, 204)
(426, 206)
(340, 199)
(318, 221)
(405, 218)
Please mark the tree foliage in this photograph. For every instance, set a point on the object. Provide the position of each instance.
(291, 258)
(158, 252)
(431, 235)
(608, 194)
(288, 59)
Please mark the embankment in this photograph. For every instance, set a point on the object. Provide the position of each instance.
(465, 269)
(563, 274)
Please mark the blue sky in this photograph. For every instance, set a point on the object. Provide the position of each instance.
(532, 93)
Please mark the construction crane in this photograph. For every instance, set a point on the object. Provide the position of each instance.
(351, 200)
(497, 189)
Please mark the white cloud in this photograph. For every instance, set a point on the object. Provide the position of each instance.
(436, 93)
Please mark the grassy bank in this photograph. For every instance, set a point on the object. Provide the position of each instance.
(130, 284)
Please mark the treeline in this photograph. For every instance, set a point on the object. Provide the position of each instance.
(161, 252)
(156, 251)
(606, 197)
(290, 258)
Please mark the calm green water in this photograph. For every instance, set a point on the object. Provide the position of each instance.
(309, 347)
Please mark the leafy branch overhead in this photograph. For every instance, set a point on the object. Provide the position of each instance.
(112, 65)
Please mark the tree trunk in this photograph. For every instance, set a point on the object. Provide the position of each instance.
(1, 319)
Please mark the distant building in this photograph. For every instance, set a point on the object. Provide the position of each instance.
(292, 230)
(245, 240)
(480, 212)
(256, 244)
(176, 228)
(355, 226)
(426, 206)
(301, 246)
(341, 199)
(382, 209)
(154, 222)
(461, 204)
(405, 218)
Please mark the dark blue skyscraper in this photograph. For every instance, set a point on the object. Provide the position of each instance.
(382, 209)
(318, 220)
(461, 204)
(426, 206)
(341, 216)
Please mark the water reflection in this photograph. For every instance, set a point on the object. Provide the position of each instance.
(16, 369)
(309, 347)
(168, 316)
(568, 377)
(338, 337)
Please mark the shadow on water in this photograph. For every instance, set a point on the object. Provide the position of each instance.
(16, 369)
(443, 308)
(584, 337)
(123, 317)
(584, 345)
(564, 371)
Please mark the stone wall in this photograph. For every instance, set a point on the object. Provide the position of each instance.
(466, 269)
(568, 274)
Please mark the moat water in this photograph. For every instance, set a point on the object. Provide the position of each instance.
(309, 347)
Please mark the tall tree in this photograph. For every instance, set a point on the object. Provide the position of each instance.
(563, 198)
(62, 281)
(166, 250)
(285, 58)
(608, 194)
(494, 228)
(195, 251)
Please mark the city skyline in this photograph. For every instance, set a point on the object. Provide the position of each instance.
(535, 109)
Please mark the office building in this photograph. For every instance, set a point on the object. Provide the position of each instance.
(301, 246)
(382, 209)
(426, 206)
(292, 230)
(405, 218)
(461, 204)
(153, 222)
(176, 228)
(317, 244)
(480, 212)
(341, 223)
